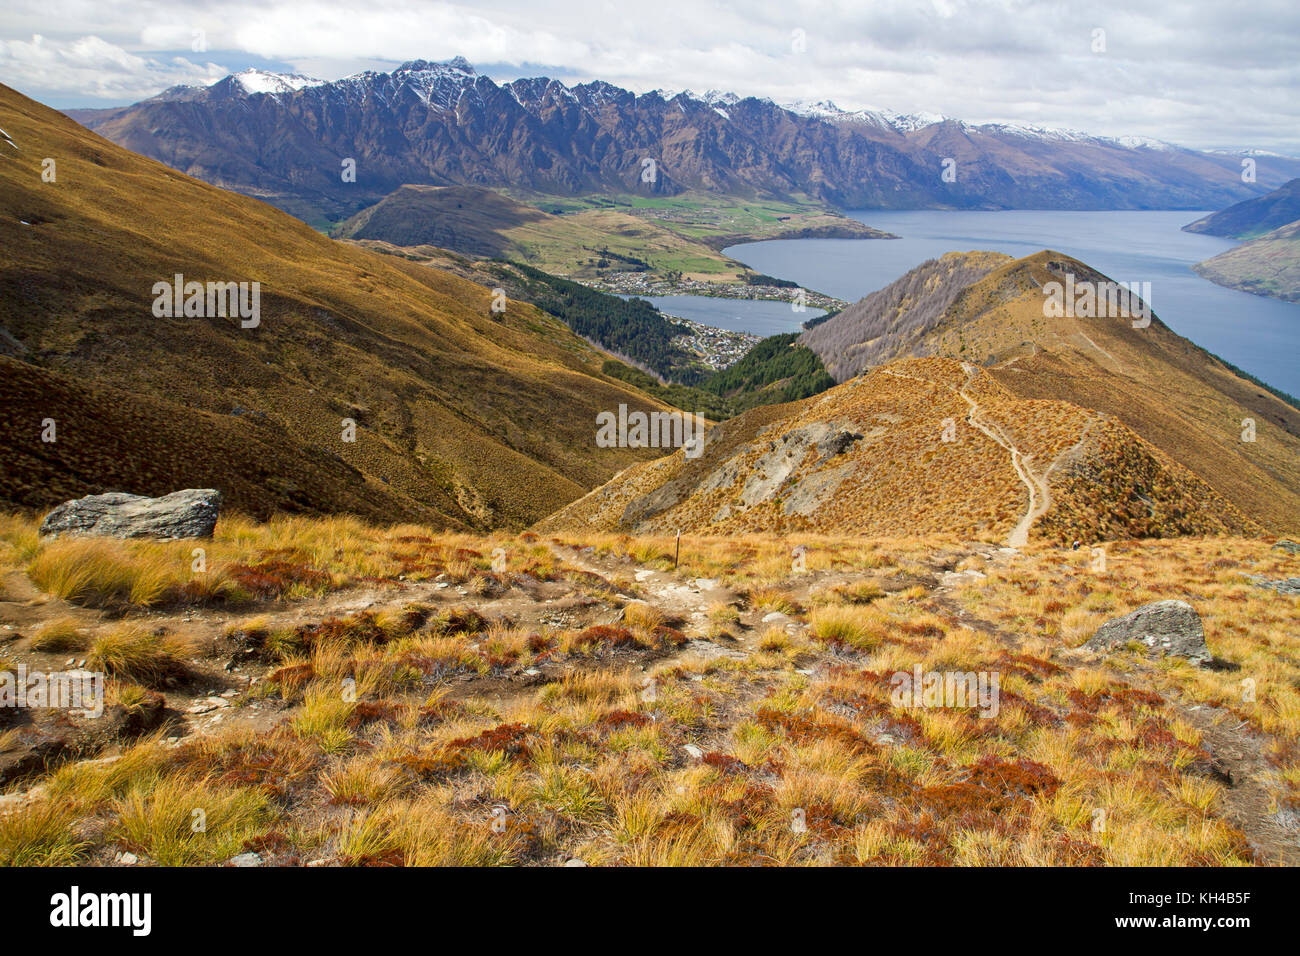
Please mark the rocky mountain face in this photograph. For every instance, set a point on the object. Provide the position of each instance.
(288, 140)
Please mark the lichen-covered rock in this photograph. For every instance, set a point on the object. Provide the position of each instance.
(1172, 628)
(191, 513)
(1284, 586)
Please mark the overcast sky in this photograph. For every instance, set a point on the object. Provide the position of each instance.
(1203, 74)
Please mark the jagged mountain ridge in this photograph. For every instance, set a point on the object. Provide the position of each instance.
(444, 124)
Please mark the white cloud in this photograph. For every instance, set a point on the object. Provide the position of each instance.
(1193, 71)
(94, 68)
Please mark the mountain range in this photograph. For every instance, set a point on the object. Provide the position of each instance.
(964, 405)
(287, 138)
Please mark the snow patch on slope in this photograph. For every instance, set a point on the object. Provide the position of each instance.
(260, 81)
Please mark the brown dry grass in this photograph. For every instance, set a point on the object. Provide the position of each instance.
(793, 751)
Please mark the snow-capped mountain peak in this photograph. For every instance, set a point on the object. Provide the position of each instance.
(885, 119)
(254, 80)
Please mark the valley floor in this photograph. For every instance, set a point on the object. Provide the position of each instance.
(329, 693)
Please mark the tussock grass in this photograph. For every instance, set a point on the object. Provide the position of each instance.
(61, 634)
(131, 652)
(593, 765)
(323, 718)
(363, 781)
(835, 624)
(184, 823)
(592, 687)
(774, 599)
(42, 833)
(641, 615)
(431, 836)
(19, 540)
(90, 784)
(98, 572)
(84, 571)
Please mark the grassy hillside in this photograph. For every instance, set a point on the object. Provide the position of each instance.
(593, 236)
(464, 416)
(771, 372)
(592, 702)
(920, 446)
(1266, 265)
(582, 242)
(1176, 396)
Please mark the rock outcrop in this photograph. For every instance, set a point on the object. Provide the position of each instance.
(191, 513)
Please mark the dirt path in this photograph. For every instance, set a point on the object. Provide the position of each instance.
(1040, 496)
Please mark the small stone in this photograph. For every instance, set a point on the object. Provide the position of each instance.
(574, 862)
(692, 751)
(127, 859)
(245, 859)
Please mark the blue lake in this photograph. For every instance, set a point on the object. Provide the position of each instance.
(1258, 334)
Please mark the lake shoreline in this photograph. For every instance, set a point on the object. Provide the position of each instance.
(1258, 335)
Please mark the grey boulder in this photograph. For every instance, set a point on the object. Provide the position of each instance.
(1284, 586)
(191, 513)
(1167, 627)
